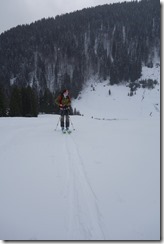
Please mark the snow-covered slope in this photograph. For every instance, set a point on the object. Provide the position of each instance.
(102, 182)
(95, 101)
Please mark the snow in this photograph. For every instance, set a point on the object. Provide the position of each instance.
(101, 182)
(95, 101)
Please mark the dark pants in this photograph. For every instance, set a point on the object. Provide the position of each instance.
(64, 118)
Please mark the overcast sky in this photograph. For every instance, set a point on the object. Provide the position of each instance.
(18, 12)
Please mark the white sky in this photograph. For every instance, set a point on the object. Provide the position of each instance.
(18, 12)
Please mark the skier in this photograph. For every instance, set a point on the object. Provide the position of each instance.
(64, 103)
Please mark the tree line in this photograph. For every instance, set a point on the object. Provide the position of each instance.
(21, 102)
(25, 102)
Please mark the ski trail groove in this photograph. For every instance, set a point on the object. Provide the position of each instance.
(84, 214)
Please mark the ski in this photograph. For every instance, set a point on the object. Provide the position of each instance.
(66, 131)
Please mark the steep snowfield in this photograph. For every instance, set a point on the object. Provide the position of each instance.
(102, 182)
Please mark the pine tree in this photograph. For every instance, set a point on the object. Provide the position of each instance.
(46, 102)
(2, 103)
(15, 102)
(29, 102)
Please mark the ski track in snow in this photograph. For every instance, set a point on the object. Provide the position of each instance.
(51, 182)
(84, 214)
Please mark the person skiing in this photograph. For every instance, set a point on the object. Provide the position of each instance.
(64, 103)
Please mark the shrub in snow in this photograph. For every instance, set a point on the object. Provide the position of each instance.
(76, 112)
(150, 84)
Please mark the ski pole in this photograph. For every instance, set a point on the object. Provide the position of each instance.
(72, 123)
(57, 124)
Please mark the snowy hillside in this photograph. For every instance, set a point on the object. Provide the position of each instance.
(95, 99)
(102, 182)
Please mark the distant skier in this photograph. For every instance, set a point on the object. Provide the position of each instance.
(64, 103)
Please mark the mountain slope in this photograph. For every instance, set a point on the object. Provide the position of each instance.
(95, 101)
(111, 41)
